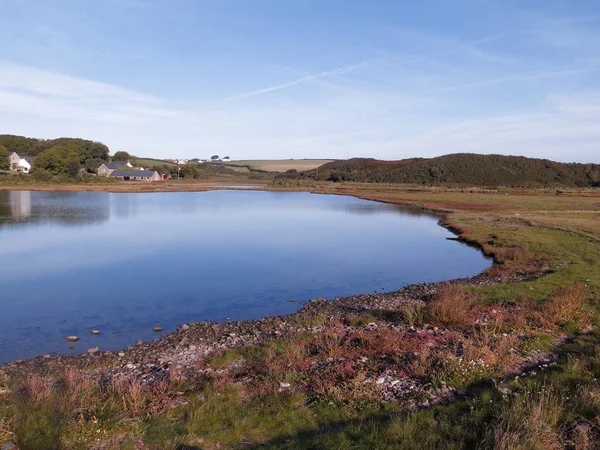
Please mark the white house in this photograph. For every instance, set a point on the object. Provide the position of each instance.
(20, 163)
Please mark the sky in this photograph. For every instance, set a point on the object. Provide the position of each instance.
(274, 79)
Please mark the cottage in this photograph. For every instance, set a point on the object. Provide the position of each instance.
(20, 163)
(136, 175)
(107, 168)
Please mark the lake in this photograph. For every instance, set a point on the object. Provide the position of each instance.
(124, 263)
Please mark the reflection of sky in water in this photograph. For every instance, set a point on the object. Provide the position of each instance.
(125, 262)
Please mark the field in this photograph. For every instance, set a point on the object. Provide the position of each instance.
(149, 162)
(507, 361)
(281, 165)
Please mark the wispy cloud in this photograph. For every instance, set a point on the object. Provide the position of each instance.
(328, 73)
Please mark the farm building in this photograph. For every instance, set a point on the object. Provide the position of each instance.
(136, 175)
(107, 168)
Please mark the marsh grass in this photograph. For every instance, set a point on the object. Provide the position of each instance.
(450, 306)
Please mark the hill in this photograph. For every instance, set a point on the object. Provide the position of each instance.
(279, 165)
(463, 169)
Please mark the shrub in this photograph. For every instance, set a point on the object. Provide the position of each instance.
(450, 307)
(568, 305)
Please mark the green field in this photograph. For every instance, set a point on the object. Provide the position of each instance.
(149, 162)
(281, 165)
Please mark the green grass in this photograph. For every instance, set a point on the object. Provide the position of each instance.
(281, 165)
(149, 162)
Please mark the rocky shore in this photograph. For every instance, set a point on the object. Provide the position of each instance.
(184, 350)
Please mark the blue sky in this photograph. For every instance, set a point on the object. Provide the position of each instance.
(306, 78)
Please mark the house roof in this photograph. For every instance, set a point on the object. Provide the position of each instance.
(10, 154)
(29, 159)
(115, 164)
(132, 173)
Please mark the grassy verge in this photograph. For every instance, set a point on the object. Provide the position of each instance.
(321, 387)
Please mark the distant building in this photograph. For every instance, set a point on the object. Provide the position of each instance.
(136, 175)
(20, 163)
(107, 168)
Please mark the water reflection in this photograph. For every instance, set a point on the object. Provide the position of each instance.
(66, 208)
(123, 263)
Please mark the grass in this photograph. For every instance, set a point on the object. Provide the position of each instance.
(280, 165)
(332, 400)
(150, 162)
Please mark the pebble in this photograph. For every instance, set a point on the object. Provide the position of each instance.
(380, 380)
(185, 327)
(95, 332)
(121, 354)
(157, 329)
(285, 385)
(10, 445)
(140, 342)
(72, 338)
(91, 351)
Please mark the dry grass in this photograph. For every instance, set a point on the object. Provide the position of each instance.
(5, 431)
(529, 421)
(568, 305)
(450, 307)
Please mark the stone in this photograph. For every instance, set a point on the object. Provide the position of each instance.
(157, 329)
(185, 327)
(140, 342)
(10, 445)
(95, 332)
(380, 380)
(91, 351)
(19, 361)
(285, 385)
(47, 357)
(121, 354)
(72, 338)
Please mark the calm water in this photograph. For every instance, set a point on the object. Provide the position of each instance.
(124, 263)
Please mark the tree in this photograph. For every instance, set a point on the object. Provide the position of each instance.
(92, 164)
(189, 171)
(4, 161)
(214, 157)
(59, 160)
(121, 156)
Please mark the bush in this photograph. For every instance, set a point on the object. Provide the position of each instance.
(450, 307)
(568, 306)
(41, 175)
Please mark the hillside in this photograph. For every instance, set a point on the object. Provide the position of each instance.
(463, 169)
(279, 165)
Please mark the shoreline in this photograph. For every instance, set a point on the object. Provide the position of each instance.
(369, 302)
(469, 348)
